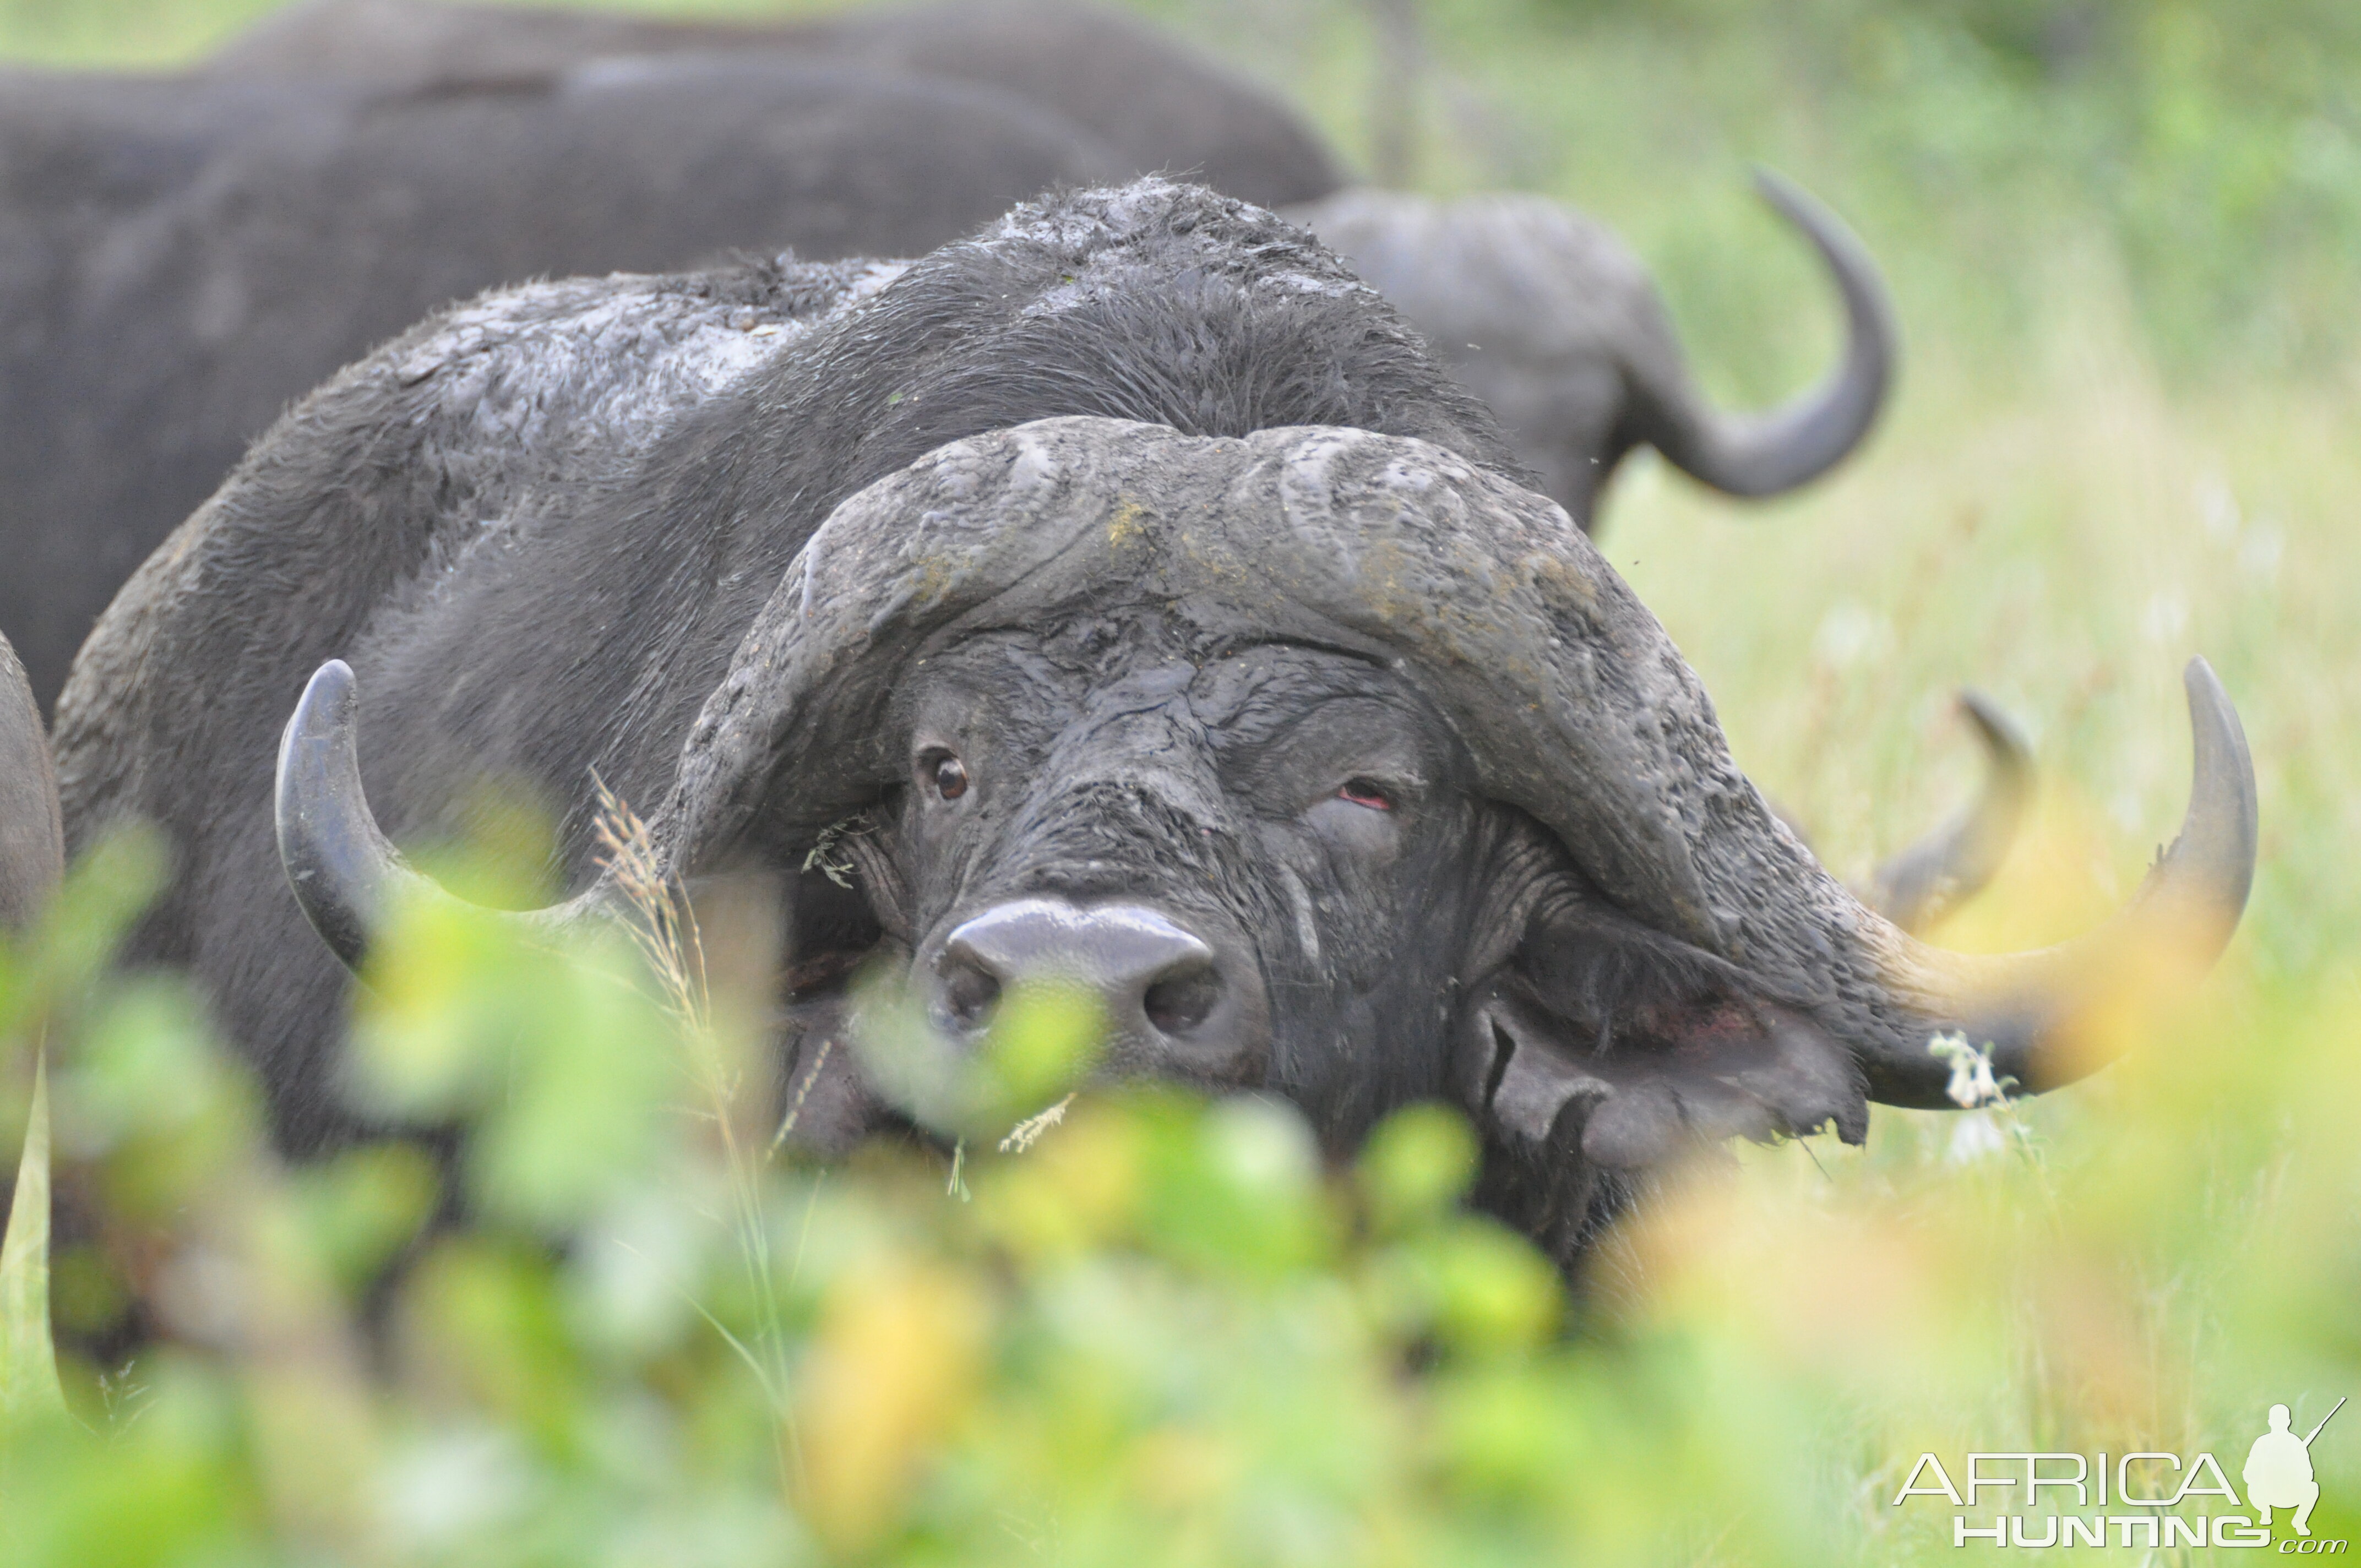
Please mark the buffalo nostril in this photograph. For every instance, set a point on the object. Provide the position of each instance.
(969, 994)
(1179, 1002)
(1154, 979)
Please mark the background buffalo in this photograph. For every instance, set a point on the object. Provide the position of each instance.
(1161, 106)
(1537, 307)
(202, 251)
(150, 339)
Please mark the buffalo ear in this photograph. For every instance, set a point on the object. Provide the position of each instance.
(1603, 1049)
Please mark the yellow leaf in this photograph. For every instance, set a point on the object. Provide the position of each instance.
(896, 1364)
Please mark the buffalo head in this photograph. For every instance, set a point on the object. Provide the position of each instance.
(1336, 766)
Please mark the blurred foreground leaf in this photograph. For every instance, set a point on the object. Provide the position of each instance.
(1043, 1040)
(28, 1365)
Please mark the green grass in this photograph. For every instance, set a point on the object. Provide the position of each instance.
(2124, 436)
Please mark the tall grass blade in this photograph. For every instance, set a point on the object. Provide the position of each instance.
(29, 1363)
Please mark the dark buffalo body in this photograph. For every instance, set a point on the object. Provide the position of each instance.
(1162, 106)
(81, 150)
(31, 848)
(185, 257)
(1538, 308)
(1220, 658)
(202, 254)
(81, 158)
(539, 525)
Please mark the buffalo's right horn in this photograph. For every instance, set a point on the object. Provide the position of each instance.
(1763, 455)
(1577, 709)
(1934, 876)
(2019, 1003)
(342, 867)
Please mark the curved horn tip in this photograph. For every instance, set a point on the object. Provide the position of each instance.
(329, 846)
(1926, 881)
(1770, 453)
(1793, 198)
(337, 860)
(2201, 882)
(329, 694)
(2001, 734)
(1778, 190)
(2220, 831)
(2009, 754)
(1808, 212)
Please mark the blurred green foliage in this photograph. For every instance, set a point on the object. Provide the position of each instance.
(2210, 150)
(1165, 1331)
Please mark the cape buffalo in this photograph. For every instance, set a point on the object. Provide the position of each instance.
(154, 340)
(1134, 601)
(1553, 321)
(1161, 106)
(32, 850)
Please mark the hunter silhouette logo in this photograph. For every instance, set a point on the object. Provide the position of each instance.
(2137, 1500)
(2279, 1471)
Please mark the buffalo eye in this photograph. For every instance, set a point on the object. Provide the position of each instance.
(1367, 792)
(946, 772)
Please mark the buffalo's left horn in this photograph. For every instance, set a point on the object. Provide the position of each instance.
(342, 867)
(1926, 881)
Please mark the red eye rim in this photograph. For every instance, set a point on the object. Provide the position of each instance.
(1366, 792)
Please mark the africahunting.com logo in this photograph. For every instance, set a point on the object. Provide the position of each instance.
(2280, 1492)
